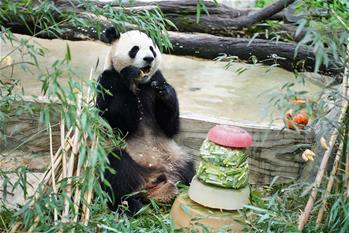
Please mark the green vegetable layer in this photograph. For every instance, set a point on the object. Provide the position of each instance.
(222, 166)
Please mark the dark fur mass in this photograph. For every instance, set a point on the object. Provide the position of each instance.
(134, 180)
(111, 34)
(154, 105)
(152, 50)
(121, 111)
(133, 52)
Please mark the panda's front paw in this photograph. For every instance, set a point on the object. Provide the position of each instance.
(130, 73)
(161, 89)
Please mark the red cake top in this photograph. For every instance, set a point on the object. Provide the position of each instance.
(230, 136)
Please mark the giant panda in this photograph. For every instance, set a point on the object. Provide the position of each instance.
(135, 99)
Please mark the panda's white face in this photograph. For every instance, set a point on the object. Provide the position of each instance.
(137, 49)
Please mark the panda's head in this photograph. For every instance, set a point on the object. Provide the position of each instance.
(132, 48)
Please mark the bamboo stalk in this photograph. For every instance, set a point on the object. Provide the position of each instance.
(305, 215)
(57, 156)
(64, 163)
(34, 225)
(47, 182)
(88, 195)
(16, 227)
(303, 219)
(64, 167)
(70, 169)
(56, 163)
(329, 185)
(86, 207)
(64, 159)
(346, 96)
(55, 214)
(77, 198)
(71, 164)
(78, 190)
(45, 179)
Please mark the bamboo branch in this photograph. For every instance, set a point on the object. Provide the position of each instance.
(64, 159)
(72, 159)
(59, 169)
(89, 194)
(64, 162)
(309, 206)
(55, 214)
(70, 169)
(329, 185)
(78, 171)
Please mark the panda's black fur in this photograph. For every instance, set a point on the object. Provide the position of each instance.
(149, 113)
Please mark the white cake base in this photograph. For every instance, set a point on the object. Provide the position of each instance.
(218, 198)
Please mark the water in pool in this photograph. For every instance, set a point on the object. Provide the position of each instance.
(204, 87)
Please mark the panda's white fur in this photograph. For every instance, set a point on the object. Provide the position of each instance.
(118, 57)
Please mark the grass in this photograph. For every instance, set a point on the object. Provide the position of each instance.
(273, 209)
(151, 218)
(278, 210)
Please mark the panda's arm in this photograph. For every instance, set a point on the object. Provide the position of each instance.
(105, 91)
(166, 105)
(119, 106)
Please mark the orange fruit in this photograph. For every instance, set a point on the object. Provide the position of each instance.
(299, 120)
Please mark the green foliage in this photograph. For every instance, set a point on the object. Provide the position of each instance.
(151, 218)
(201, 7)
(327, 35)
(277, 209)
(263, 3)
(50, 20)
(76, 112)
(5, 218)
(151, 21)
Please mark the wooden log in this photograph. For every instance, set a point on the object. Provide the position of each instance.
(183, 13)
(199, 45)
(274, 151)
(266, 51)
(221, 20)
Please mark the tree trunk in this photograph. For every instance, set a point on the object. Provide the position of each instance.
(201, 45)
(268, 52)
(221, 20)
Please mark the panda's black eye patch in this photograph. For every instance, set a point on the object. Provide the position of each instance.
(152, 50)
(133, 52)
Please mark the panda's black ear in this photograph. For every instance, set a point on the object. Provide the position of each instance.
(111, 34)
